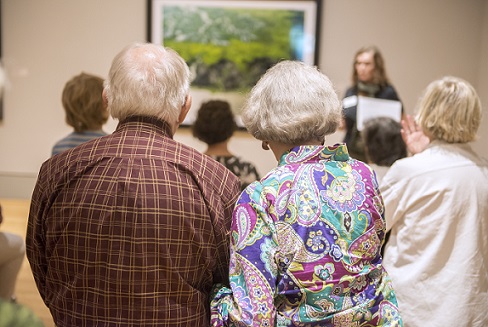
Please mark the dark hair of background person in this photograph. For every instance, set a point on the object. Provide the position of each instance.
(215, 122)
(82, 102)
(379, 75)
(383, 141)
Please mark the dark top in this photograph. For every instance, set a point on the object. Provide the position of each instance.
(131, 229)
(246, 171)
(353, 137)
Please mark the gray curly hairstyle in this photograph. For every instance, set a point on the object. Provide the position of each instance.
(292, 103)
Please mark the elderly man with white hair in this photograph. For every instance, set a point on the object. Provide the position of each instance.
(131, 229)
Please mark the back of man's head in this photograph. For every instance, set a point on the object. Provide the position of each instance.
(147, 80)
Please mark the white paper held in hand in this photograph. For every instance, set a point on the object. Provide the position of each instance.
(350, 101)
(371, 108)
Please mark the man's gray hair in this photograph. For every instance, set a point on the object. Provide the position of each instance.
(147, 80)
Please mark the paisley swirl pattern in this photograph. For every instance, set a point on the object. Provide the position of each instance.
(305, 247)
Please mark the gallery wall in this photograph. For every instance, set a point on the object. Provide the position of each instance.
(46, 42)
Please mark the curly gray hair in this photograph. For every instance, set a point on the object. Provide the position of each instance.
(292, 103)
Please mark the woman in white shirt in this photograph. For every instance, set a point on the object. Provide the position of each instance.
(437, 210)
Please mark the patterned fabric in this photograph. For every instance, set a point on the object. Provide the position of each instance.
(246, 171)
(305, 247)
(74, 139)
(131, 229)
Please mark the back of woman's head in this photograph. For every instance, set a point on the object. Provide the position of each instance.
(147, 80)
(83, 103)
(450, 110)
(292, 103)
(215, 122)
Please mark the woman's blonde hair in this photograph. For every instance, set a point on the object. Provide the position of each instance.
(450, 110)
(292, 103)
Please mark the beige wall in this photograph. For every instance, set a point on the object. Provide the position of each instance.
(45, 42)
(482, 87)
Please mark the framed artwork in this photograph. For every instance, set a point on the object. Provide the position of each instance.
(228, 45)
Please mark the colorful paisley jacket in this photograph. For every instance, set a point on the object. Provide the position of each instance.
(305, 247)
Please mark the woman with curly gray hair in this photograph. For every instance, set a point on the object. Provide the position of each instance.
(306, 238)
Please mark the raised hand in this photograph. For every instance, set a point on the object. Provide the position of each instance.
(413, 136)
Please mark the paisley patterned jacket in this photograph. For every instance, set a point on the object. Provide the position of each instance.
(305, 247)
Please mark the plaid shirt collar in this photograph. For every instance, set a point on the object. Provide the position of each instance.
(147, 121)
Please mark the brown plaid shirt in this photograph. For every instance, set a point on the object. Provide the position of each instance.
(131, 229)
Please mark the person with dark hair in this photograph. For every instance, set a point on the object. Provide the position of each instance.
(369, 79)
(84, 109)
(215, 124)
(132, 228)
(383, 144)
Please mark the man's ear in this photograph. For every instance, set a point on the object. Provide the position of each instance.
(185, 108)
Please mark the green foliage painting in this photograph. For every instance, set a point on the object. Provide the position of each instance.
(228, 49)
